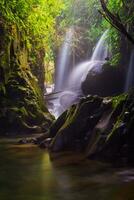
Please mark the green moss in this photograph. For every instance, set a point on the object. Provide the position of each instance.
(119, 107)
(22, 105)
(114, 129)
(117, 99)
(23, 102)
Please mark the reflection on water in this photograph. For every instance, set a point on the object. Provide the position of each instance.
(26, 173)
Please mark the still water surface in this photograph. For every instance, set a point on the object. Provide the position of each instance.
(26, 173)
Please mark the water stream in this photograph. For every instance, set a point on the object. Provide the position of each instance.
(27, 173)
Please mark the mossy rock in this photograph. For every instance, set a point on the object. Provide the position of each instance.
(22, 104)
(79, 119)
(102, 128)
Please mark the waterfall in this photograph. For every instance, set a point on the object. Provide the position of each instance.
(62, 71)
(99, 57)
(69, 83)
(101, 51)
(130, 74)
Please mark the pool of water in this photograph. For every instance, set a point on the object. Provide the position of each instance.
(27, 173)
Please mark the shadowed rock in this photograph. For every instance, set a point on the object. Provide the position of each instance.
(104, 80)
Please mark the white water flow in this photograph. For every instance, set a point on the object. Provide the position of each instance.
(98, 58)
(71, 91)
(63, 60)
(101, 50)
(130, 74)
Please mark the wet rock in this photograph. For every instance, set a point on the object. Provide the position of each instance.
(23, 141)
(101, 127)
(46, 143)
(42, 145)
(103, 80)
(79, 119)
(27, 141)
(33, 140)
(57, 124)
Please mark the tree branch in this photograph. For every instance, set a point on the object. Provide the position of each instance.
(115, 21)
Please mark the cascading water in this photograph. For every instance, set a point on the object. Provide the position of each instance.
(63, 60)
(130, 75)
(98, 58)
(101, 50)
(71, 91)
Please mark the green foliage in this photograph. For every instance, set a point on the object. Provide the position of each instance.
(124, 12)
(84, 17)
(25, 25)
(35, 17)
(80, 13)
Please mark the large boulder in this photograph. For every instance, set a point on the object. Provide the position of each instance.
(72, 130)
(101, 128)
(104, 80)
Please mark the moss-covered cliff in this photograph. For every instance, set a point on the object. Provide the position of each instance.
(22, 105)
